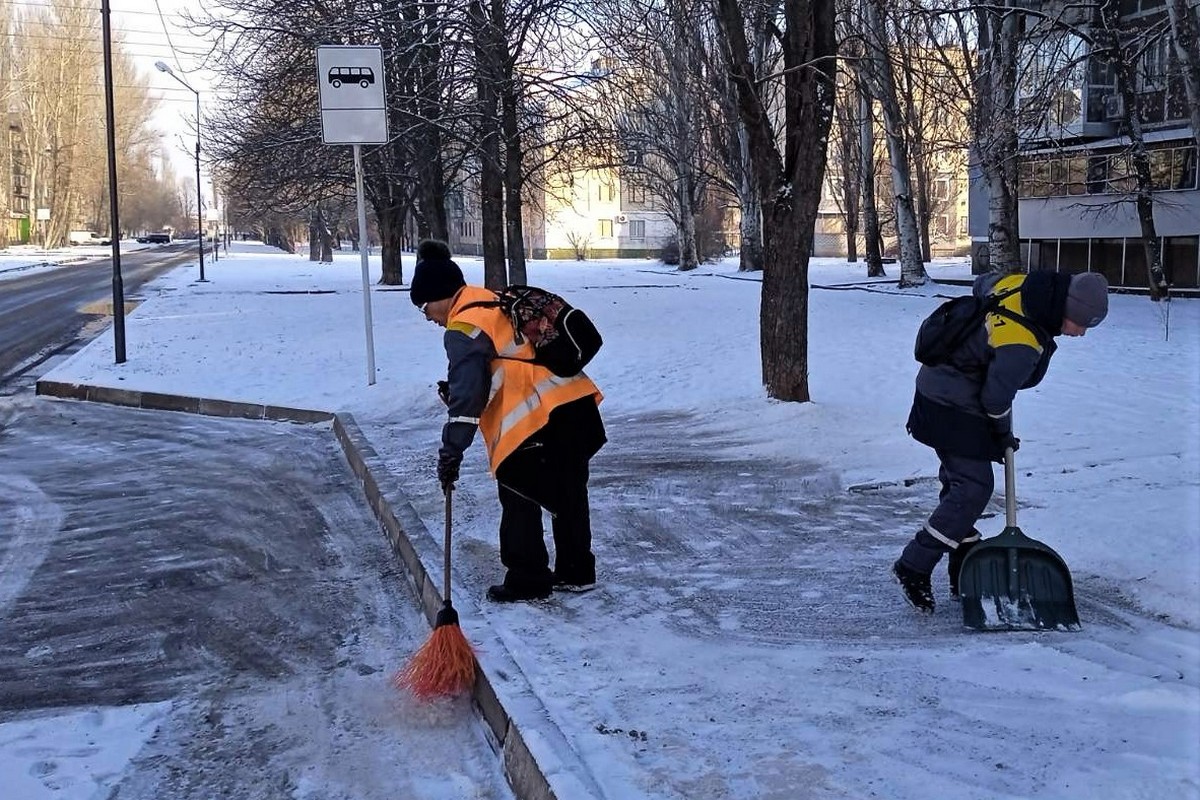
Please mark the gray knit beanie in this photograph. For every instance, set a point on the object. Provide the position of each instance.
(1087, 299)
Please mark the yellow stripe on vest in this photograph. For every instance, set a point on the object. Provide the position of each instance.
(464, 328)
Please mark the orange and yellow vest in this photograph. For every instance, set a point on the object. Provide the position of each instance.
(522, 394)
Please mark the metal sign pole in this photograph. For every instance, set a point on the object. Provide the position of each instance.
(350, 87)
(366, 272)
(118, 285)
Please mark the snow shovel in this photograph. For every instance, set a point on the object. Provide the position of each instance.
(1011, 582)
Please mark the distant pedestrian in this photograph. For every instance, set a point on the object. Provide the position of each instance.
(540, 431)
(963, 410)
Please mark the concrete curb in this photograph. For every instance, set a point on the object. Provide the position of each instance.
(525, 775)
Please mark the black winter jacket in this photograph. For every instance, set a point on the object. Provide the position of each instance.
(961, 407)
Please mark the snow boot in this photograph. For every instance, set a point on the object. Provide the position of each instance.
(576, 584)
(503, 593)
(917, 588)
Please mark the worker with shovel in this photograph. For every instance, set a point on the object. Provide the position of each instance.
(963, 407)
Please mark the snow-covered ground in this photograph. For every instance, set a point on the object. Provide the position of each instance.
(748, 640)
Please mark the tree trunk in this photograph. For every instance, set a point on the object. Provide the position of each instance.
(314, 237)
(750, 256)
(883, 81)
(1186, 38)
(924, 211)
(514, 158)
(390, 220)
(870, 207)
(688, 259)
(1122, 59)
(788, 181)
(783, 307)
(325, 236)
(847, 140)
(491, 177)
(994, 125)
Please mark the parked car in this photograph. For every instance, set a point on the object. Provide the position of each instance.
(87, 237)
(155, 238)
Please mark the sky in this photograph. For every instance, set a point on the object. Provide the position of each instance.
(155, 31)
(746, 637)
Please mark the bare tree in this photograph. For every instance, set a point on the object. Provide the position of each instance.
(789, 169)
(1120, 46)
(486, 31)
(1185, 37)
(880, 78)
(730, 137)
(657, 98)
(7, 156)
(986, 40)
(847, 190)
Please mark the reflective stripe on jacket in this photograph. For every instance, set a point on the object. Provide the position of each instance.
(522, 394)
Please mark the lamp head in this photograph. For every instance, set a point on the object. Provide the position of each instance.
(162, 66)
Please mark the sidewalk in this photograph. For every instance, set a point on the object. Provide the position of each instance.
(746, 641)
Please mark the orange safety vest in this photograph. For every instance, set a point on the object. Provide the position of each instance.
(522, 394)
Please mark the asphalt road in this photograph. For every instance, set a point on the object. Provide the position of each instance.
(45, 311)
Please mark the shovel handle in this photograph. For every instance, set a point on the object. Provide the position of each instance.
(1010, 489)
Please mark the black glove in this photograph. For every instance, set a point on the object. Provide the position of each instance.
(1007, 441)
(447, 468)
(1002, 435)
(443, 390)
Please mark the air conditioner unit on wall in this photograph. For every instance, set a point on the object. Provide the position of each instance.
(1114, 106)
(622, 218)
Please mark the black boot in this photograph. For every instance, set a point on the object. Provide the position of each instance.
(503, 593)
(955, 562)
(917, 589)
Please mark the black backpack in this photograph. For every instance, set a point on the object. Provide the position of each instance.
(947, 329)
(564, 339)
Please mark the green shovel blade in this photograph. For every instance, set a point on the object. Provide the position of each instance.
(1012, 582)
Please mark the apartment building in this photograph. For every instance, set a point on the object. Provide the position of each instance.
(15, 168)
(1077, 210)
(587, 213)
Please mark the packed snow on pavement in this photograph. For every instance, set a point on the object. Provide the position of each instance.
(747, 638)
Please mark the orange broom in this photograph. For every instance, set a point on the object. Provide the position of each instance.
(445, 664)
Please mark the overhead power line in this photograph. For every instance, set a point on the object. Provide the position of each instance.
(31, 3)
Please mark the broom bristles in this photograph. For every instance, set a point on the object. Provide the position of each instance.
(444, 666)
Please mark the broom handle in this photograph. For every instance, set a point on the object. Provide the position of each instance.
(1010, 488)
(446, 548)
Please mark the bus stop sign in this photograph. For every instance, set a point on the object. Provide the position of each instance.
(350, 85)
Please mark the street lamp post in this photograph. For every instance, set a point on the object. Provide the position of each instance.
(163, 66)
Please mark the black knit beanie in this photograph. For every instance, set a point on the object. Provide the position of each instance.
(435, 277)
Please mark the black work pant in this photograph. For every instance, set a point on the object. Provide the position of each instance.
(967, 485)
(550, 471)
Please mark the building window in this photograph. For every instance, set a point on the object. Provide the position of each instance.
(637, 229)
(637, 193)
(606, 229)
(606, 192)
(1171, 169)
